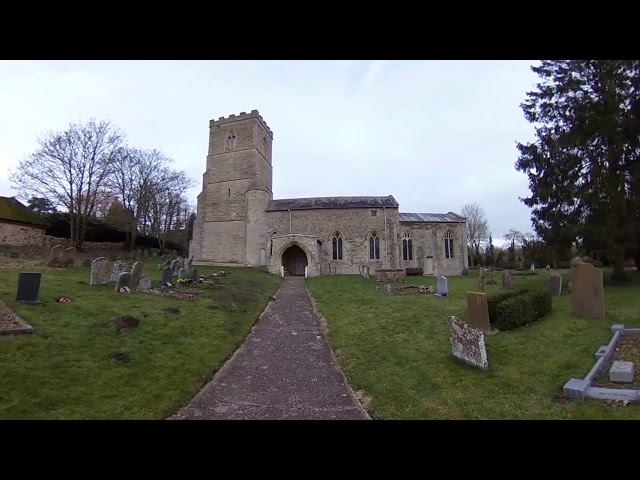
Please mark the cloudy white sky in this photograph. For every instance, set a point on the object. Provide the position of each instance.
(434, 134)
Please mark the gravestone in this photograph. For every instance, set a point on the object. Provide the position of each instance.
(467, 343)
(554, 284)
(533, 268)
(29, 288)
(182, 273)
(56, 256)
(99, 272)
(478, 311)
(506, 279)
(366, 271)
(145, 254)
(69, 257)
(194, 275)
(123, 280)
(175, 267)
(388, 289)
(443, 286)
(86, 262)
(144, 285)
(118, 268)
(587, 292)
(137, 272)
(138, 255)
(167, 273)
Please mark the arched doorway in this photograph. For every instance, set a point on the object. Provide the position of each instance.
(294, 260)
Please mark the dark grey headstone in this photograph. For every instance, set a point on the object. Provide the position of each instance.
(123, 280)
(29, 288)
(194, 275)
(182, 273)
(166, 275)
(443, 286)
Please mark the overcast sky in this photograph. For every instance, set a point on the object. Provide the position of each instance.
(434, 134)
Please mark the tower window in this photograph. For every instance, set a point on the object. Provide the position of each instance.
(374, 213)
(231, 141)
(265, 146)
(229, 192)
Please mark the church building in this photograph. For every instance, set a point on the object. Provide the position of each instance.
(239, 223)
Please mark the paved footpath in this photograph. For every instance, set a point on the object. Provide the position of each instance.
(285, 370)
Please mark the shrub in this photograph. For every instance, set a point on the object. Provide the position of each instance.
(522, 309)
(494, 300)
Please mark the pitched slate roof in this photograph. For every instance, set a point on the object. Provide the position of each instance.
(331, 202)
(13, 211)
(431, 217)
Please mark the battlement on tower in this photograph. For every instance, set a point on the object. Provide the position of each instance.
(242, 116)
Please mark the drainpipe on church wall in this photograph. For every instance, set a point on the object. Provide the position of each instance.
(386, 263)
(289, 220)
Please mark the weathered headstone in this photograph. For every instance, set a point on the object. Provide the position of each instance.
(144, 284)
(194, 275)
(145, 254)
(137, 272)
(175, 267)
(86, 262)
(167, 273)
(467, 343)
(56, 256)
(366, 271)
(99, 272)
(118, 267)
(587, 293)
(138, 254)
(554, 284)
(506, 278)
(443, 286)
(182, 273)
(29, 288)
(533, 267)
(388, 289)
(478, 311)
(123, 280)
(69, 257)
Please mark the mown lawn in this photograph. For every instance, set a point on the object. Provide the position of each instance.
(65, 370)
(397, 350)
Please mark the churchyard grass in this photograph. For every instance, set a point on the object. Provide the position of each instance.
(65, 369)
(396, 350)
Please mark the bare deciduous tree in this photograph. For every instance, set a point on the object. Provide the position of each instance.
(70, 169)
(134, 175)
(477, 226)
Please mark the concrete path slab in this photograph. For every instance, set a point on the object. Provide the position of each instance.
(285, 370)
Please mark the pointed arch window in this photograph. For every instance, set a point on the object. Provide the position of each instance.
(448, 244)
(337, 246)
(407, 247)
(231, 141)
(374, 247)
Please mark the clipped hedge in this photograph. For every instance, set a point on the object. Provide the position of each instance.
(522, 309)
(494, 300)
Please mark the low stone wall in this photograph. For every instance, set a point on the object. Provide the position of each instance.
(15, 235)
(386, 274)
(50, 241)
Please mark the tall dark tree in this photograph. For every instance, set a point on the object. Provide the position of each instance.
(490, 252)
(41, 205)
(512, 251)
(582, 163)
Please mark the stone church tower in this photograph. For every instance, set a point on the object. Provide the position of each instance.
(231, 228)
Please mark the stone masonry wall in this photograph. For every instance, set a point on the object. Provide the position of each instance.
(428, 241)
(21, 235)
(354, 225)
